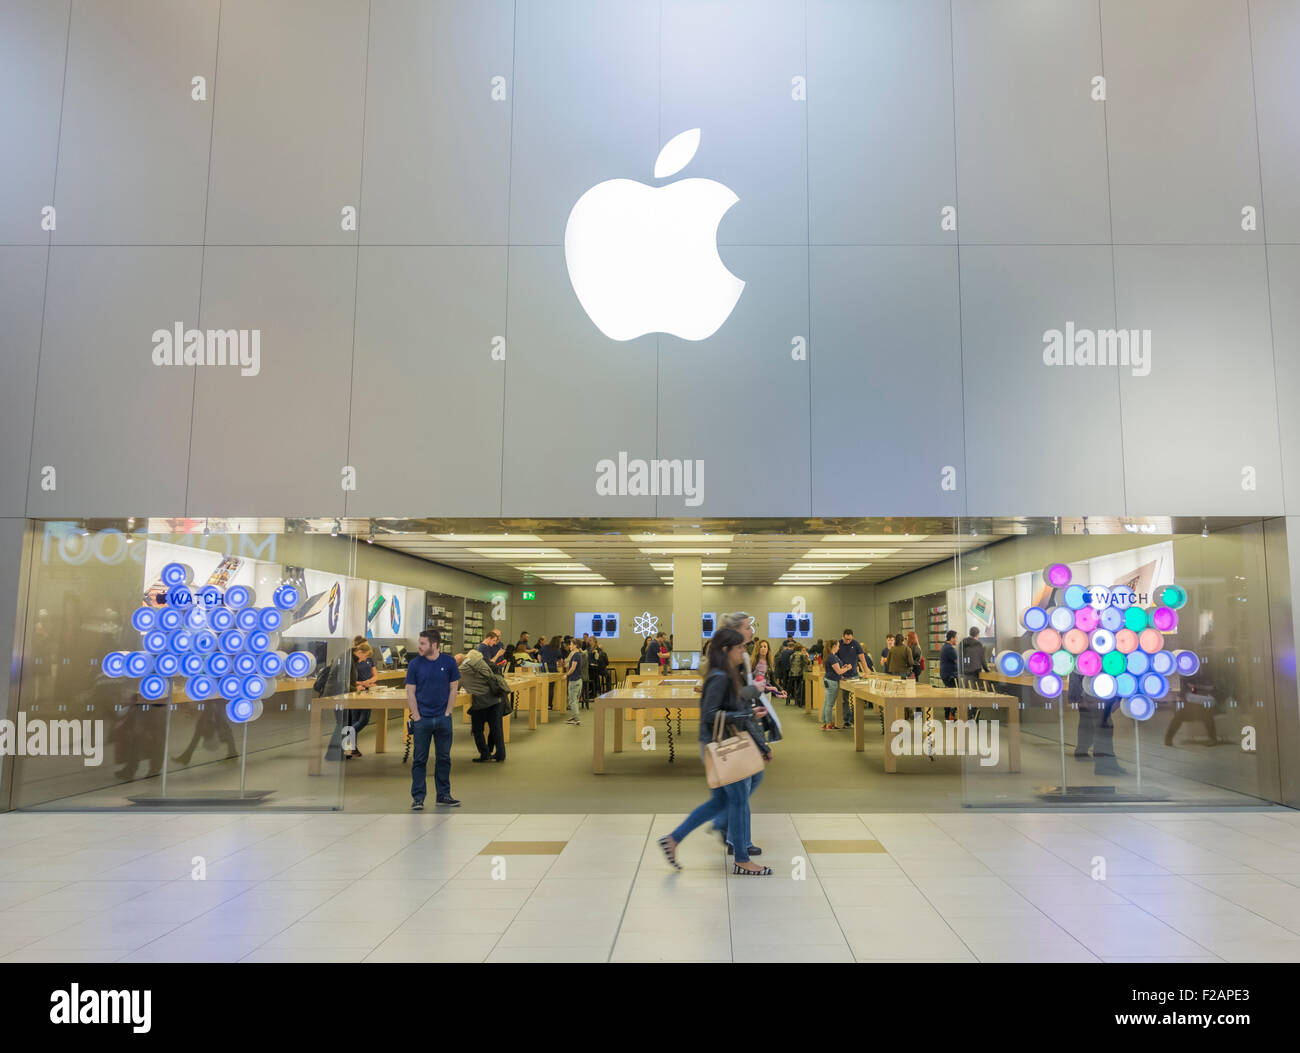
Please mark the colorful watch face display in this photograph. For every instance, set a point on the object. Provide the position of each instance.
(1109, 640)
(395, 617)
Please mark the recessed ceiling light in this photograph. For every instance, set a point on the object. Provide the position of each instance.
(474, 539)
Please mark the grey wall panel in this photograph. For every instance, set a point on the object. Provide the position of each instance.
(22, 292)
(738, 400)
(886, 375)
(880, 131)
(133, 157)
(586, 106)
(1275, 42)
(275, 443)
(437, 152)
(1031, 142)
(1284, 294)
(114, 426)
(573, 397)
(1181, 120)
(33, 45)
(727, 70)
(1044, 438)
(426, 392)
(286, 140)
(1206, 411)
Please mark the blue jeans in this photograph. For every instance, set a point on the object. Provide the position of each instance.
(720, 820)
(437, 729)
(828, 705)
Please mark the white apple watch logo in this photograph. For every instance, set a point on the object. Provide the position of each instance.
(644, 259)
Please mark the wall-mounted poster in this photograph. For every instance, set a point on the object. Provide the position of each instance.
(387, 611)
(781, 624)
(320, 613)
(207, 567)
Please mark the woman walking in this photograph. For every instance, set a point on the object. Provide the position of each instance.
(721, 694)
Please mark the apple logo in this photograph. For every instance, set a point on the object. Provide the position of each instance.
(644, 259)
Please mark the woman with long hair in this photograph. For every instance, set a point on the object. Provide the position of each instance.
(918, 660)
(722, 687)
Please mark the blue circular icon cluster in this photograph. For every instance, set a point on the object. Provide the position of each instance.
(224, 647)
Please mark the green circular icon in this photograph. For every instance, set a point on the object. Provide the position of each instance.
(1136, 618)
(1113, 663)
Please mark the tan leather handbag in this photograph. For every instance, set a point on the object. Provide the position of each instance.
(730, 760)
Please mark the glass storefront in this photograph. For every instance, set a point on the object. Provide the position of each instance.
(1058, 737)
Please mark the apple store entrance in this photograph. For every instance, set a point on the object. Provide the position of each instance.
(909, 664)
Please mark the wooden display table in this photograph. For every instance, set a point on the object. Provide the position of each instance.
(622, 699)
(1023, 680)
(922, 696)
(378, 698)
(530, 691)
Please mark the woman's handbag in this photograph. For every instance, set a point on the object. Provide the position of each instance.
(730, 760)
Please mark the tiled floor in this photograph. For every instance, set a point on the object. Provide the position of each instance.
(346, 887)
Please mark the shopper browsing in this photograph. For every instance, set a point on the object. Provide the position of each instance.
(834, 671)
(973, 661)
(722, 694)
(489, 693)
(492, 650)
(573, 677)
(948, 668)
(431, 680)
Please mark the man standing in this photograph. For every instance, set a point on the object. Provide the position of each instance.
(430, 695)
(573, 678)
(492, 650)
(973, 661)
(859, 663)
(948, 668)
(783, 657)
(948, 659)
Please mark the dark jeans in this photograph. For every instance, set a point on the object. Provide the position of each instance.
(489, 717)
(950, 712)
(437, 730)
(356, 719)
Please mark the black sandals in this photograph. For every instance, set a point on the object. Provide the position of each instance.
(670, 852)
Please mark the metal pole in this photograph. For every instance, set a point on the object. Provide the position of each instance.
(243, 761)
(1061, 721)
(1137, 752)
(167, 733)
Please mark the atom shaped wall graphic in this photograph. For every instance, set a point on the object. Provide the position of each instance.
(223, 646)
(1105, 636)
(646, 624)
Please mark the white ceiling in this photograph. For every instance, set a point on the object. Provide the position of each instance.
(637, 556)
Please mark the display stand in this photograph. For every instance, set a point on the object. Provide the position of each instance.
(200, 798)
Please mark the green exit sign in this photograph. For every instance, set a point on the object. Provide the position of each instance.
(529, 594)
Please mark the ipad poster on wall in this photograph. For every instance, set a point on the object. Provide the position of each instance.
(206, 568)
(386, 610)
(322, 604)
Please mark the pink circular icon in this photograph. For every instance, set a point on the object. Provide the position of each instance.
(1039, 663)
(1088, 663)
(1057, 575)
(1126, 641)
(1165, 619)
(1087, 619)
(1076, 641)
(1048, 640)
(1151, 640)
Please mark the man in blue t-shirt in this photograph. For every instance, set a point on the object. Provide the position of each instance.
(492, 649)
(430, 696)
(858, 661)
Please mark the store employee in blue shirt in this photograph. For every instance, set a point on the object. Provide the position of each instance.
(430, 696)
